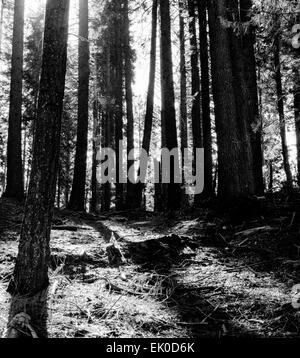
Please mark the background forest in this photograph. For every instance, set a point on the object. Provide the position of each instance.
(275, 122)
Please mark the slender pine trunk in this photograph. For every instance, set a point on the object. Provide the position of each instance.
(205, 94)
(14, 180)
(168, 103)
(77, 200)
(280, 104)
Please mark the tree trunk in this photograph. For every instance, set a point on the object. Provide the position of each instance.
(183, 96)
(205, 93)
(107, 122)
(130, 196)
(196, 95)
(77, 200)
(248, 52)
(296, 71)
(150, 97)
(280, 105)
(14, 180)
(271, 175)
(242, 95)
(168, 102)
(297, 116)
(118, 108)
(31, 270)
(235, 178)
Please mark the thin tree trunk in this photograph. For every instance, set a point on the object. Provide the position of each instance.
(168, 102)
(297, 116)
(107, 125)
(31, 269)
(271, 175)
(205, 93)
(94, 183)
(151, 83)
(196, 95)
(77, 200)
(280, 105)
(150, 95)
(131, 195)
(296, 71)
(14, 180)
(118, 111)
(183, 95)
(24, 150)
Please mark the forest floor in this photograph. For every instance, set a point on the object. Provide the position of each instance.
(197, 275)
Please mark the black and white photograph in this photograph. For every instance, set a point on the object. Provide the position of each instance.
(150, 171)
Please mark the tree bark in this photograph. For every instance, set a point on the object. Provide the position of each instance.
(77, 200)
(31, 270)
(247, 42)
(14, 180)
(196, 95)
(280, 104)
(296, 71)
(235, 179)
(130, 195)
(96, 135)
(150, 96)
(183, 95)
(205, 93)
(168, 102)
(118, 96)
(297, 116)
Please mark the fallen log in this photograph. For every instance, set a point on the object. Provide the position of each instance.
(65, 228)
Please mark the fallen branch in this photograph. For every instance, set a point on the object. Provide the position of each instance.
(256, 230)
(65, 228)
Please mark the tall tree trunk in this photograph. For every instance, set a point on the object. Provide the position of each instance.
(107, 126)
(196, 95)
(168, 101)
(250, 74)
(118, 95)
(242, 95)
(77, 200)
(235, 177)
(151, 83)
(296, 71)
(14, 180)
(183, 95)
(271, 175)
(205, 93)
(280, 104)
(31, 270)
(297, 116)
(150, 96)
(131, 196)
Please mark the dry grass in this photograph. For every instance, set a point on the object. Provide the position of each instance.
(207, 291)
